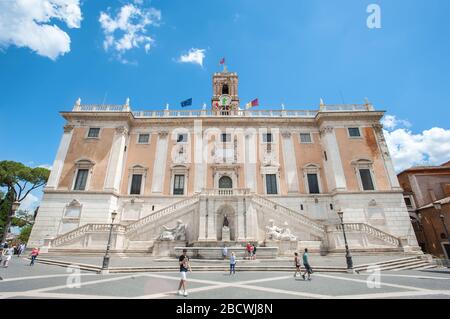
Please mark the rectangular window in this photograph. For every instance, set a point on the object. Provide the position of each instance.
(354, 132)
(305, 138)
(178, 185)
(182, 138)
(408, 202)
(267, 138)
(81, 180)
(94, 132)
(313, 183)
(136, 182)
(143, 138)
(271, 184)
(225, 138)
(366, 179)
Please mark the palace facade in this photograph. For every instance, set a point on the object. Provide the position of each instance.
(279, 177)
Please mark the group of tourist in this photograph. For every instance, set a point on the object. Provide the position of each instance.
(251, 249)
(8, 250)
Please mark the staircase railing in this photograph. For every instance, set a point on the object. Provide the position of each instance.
(80, 231)
(370, 230)
(311, 224)
(160, 213)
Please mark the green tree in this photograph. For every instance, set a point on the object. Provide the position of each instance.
(25, 233)
(18, 180)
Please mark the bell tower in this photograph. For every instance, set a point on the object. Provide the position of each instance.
(225, 91)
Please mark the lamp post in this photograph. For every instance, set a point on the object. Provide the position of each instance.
(105, 265)
(348, 255)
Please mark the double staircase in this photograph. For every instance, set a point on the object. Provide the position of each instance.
(316, 228)
(126, 230)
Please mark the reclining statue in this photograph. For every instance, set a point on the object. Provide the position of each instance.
(277, 233)
(175, 233)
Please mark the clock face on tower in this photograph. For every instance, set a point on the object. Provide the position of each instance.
(224, 100)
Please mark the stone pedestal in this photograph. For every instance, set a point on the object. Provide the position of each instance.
(166, 248)
(285, 247)
(225, 234)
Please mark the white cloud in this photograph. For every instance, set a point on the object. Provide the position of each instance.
(390, 122)
(128, 29)
(195, 56)
(431, 147)
(28, 23)
(29, 203)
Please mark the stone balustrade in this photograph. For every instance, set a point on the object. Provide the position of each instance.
(317, 228)
(369, 230)
(229, 113)
(225, 191)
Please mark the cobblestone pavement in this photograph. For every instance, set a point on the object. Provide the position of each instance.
(46, 281)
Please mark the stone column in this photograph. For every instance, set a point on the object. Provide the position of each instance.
(159, 168)
(333, 162)
(116, 159)
(290, 166)
(58, 164)
(241, 222)
(250, 161)
(203, 211)
(393, 180)
(211, 222)
(199, 161)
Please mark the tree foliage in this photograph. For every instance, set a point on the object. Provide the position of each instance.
(18, 180)
(25, 233)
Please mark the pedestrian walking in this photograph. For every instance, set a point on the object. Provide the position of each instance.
(21, 249)
(34, 254)
(232, 264)
(297, 265)
(7, 255)
(184, 268)
(224, 252)
(254, 251)
(308, 269)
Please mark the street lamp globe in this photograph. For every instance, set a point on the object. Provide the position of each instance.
(15, 206)
(340, 214)
(113, 215)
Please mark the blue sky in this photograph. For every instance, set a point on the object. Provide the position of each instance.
(292, 52)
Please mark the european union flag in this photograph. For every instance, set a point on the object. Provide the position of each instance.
(186, 102)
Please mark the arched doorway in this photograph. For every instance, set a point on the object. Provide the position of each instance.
(225, 182)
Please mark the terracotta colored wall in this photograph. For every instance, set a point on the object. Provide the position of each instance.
(354, 148)
(140, 154)
(96, 150)
(309, 154)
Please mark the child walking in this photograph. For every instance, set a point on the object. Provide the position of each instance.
(232, 264)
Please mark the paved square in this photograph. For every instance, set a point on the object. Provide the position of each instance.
(48, 281)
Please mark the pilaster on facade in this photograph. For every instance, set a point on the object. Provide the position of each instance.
(58, 164)
(387, 160)
(116, 160)
(333, 163)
